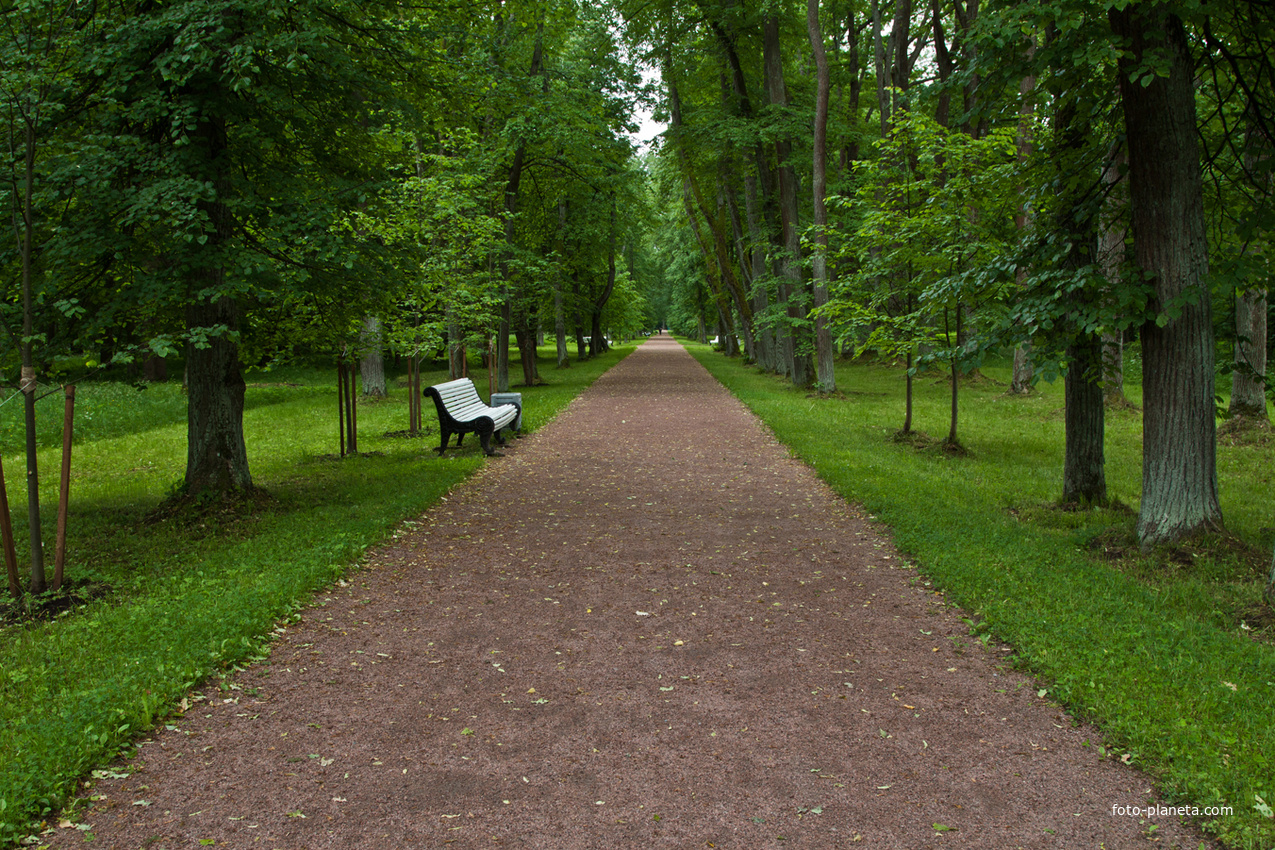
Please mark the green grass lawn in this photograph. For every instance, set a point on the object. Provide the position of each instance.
(165, 602)
(1170, 654)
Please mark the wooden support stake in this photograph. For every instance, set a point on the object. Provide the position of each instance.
(340, 403)
(64, 490)
(352, 396)
(6, 532)
(414, 391)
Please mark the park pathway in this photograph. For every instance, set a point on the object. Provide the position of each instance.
(646, 626)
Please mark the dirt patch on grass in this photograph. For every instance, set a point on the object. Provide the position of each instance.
(916, 439)
(46, 606)
(230, 513)
(1245, 431)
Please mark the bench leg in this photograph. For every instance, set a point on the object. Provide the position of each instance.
(447, 435)
(486, 436)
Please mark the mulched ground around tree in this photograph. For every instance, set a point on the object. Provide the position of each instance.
(647, 625)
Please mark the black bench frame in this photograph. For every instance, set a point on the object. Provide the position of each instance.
(484, 426)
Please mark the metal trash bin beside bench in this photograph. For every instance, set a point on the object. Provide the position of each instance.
(461, 412)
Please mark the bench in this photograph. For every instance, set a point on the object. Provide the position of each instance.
(461, 412)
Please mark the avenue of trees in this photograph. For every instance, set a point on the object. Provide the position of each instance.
(939, 182)
(240, 181)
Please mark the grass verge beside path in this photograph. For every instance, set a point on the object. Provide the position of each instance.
(1153, 653)
(177, 600)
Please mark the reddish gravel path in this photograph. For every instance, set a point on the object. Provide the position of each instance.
(646, 626)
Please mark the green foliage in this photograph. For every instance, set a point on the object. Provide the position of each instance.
(929, 216)
(1156, 653)
(166, 603)
(438, 215)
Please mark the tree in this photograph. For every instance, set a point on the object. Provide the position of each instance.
(931, 217)
(372, 360)
(41, 92)
(824, 351)
(1179, 468)
(788, 259)
(1240, 144)
(234, 138)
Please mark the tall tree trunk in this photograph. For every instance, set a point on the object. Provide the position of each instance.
(727, 201)
(789, 271)
(560, 327)
(825, 352)
(1021, 381)
(526, 337)
(740, 294)
(1111, 256)
(756, 197)
(1179, 465)
(727, 286)
(559, 314)
(511, 207)
(1024, 372)
(456, 355)
(1076, 224)
(1248, 381)
(1084, 474)
(598, 344)
(372, 359)
(881, 64)
(216, 455)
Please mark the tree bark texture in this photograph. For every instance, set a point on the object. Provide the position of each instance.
(1076, 223)
(1113, 368)
(512, 187)
(155, 369)
(526, 337)
(457, 358)
(559, 313)
(216, 456)
(1248, 381)
(825, 351)
(1179, 466)
(1024, 369)
(1111, 256)
(1021, 381)
(725, 284)
(1084, 475)
(789, 262)
(756, 181)
(372, 359)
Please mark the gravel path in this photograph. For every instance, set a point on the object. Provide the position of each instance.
(647, 625)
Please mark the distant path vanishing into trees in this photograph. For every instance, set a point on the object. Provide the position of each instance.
(647, 625)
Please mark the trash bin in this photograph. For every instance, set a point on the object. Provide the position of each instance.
(497, 399)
